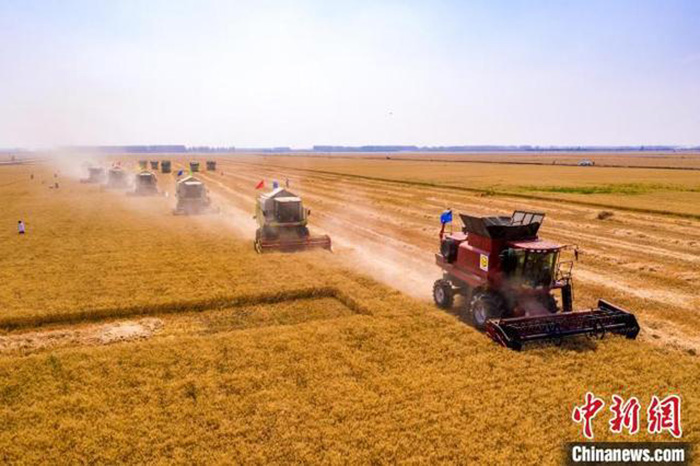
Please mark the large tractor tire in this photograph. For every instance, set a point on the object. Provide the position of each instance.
(443, 294)
(485, 305)
(258, 239)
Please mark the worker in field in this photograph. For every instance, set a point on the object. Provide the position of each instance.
(20, 227)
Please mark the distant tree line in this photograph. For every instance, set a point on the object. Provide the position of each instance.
(495, 148)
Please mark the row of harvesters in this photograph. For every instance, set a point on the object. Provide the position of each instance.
(281, 216)
(515, 286)
(192, 196)
(508, 278)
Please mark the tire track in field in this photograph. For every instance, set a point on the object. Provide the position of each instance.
(336, 217)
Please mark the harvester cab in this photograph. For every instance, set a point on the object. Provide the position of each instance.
(145, 184)
(192, 197)
(211, 165)
(194, 167)
(282, 224)
(509, 278)
(95, 175)
(165, 166)
(154, 164)
(117, 178)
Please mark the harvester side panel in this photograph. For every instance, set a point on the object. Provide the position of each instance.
(460, 274)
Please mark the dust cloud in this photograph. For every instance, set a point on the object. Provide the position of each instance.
(358, 243)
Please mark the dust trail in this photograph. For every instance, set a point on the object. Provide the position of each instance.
(238, 220)
(409, 274)
(358, 242)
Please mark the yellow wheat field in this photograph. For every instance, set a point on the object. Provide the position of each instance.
(309, 357)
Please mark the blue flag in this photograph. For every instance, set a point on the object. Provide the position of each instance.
(446, 217)
(180, 172)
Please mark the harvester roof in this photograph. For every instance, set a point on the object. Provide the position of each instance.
(189, 180)
(535, 244)
(278, 194)
(288, 199)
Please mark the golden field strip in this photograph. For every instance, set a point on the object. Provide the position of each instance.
(679, 160)
(129, 334)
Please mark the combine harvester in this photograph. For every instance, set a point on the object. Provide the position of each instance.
(211, 165)
(154, 165)
(192, 197)
(143, 164)
(282, 221)
(117, 178)
(95, 175)
(145, 184)
(194, 166)
(165, 166)
(507, 276)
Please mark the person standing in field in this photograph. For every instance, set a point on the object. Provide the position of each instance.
(20, 227)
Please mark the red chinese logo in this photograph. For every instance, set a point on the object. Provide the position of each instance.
(662, 415)
(585, 414)
(625, 415)
(665, 415)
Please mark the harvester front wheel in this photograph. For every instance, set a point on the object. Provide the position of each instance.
(484, 306)
(443, 294)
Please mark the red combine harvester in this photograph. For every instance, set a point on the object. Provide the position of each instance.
(508, 277)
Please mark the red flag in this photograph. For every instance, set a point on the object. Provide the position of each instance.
(260, 185)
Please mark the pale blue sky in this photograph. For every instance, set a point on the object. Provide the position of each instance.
(263, 73)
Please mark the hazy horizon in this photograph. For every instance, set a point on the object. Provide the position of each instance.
(282, 73)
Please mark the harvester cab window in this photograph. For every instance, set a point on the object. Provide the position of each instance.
(539, 268)
(147, 179)
(529, 267)
(193, 189)
(288, 209)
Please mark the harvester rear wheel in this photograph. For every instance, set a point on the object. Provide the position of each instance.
(258, 239)
(443, 294)
(485, 305)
